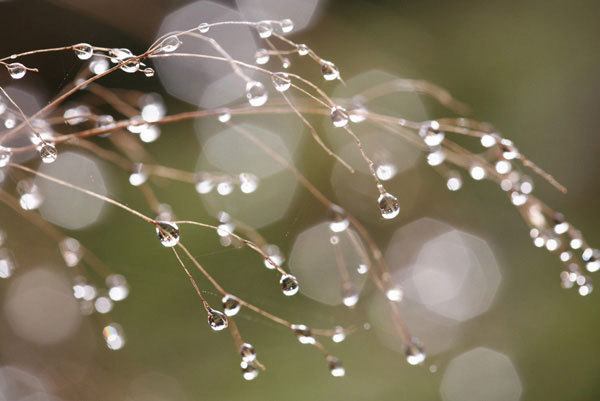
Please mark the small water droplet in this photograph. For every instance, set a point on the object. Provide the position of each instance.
(303, 333)
(477, 172)
(231, 305)
(503, 167)
(203, 27)
(223, 115)
(339, 334)
(362, 268)
(303, 50)
(273, 252)
(5, 156)
(217, 320)
(430, 134)
(256, 93)
(30, 198)
(339, 116)
(71, 251)
(138, 176)
(454, 182)
(150, 133)
(281, 81)
(338, 220)
(436, 157)
(488, 140)
(248, 353)
(6, 263)
(16, 70)
(204, 183)
(168, 233)
(114, 336)
(287, 25)
(285, 63)
(170, 44)
(289, 285)
(103, 304)
(388, 205)
(262, 56)
(335, 366)
(329, 70)
(394, 294)
(265, 29)
(249, 372)
(105, 121)
(84, 51)
(118, 289)
(415, 352)
(248, 182)
(350, 298)
(149, 72)
(225, 186)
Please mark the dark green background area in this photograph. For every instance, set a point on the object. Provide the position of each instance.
(530, 67)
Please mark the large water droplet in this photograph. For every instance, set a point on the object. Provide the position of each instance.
(335, 366)
(114, 336)
(48, 153)
(282, 81)
(84, 51)
(170, 44)
(16, 70)
(231, 305)
(289, 285)
(118, 289)
(303, 333)
(338, 220)
(256, 93)
(339, 116)
(265, 29)
(415, 352)
(287, 25)
(329, 70)
(168, 233)
(248, 353)
(388, 205)
(217, 320)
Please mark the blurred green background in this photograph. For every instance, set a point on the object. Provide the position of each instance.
(530, 67)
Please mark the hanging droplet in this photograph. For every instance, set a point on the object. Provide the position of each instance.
(152, 107)
(225, 186)
(83, 51)
(249, 372)
(223, 115)
(415, 352)
(285, 63)
(339, 334)
(204, 183)
(76, 115)
(273, 252)
(114, 336)
(388, 205)
(338, 220)
(149, 72)
(130, 65)
(335, 366)
(138, 176)
(5, 156)
(150, 133)
(386, 171)
(248, 353)
(329, 70)
(203, 27)
(105, 121)
(303, 333)
(265, 29)
(6, 263)
(289, 285)
(394, 294)
(430, 134)
(217, 320)
(303, 50)
(98, 65)
(339, 116)
(287, 25)
(30, 198)
(118, 289)
(16, 70)
(350, 298)
(231, 305)
(436, 157)
(71, 251)
(170, 44)
(248, 182)
(454, 182)
(477, 172)
(262, 56)
(168, 233)
(282, 81)
(256, 93)
(117, 55)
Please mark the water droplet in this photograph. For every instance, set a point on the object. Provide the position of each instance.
(152, 107)
(415, 352)
(225, 186)
(256, 93)
(16, 70)
(76, 115)
(388, 205)
(223, 115)
(203, 27)
(168, 233)
(117, 55)
(265, 29)
(114, 336)
(339, 116)
(149, 72)
(289, 285)
(105, 121)
(436, 157)
(394, 294)
(454, 182)
(503, 167)
(362, 268)
(231, 305)
(386, 171)
(217, 320)
(150, 133)
(329, 70)
(30, 198)
(262, 56)
(273, 252)
(561, 228)
(249, 372)
(488, 140)
(118, 289)
(103, 304)
(585, 289)
(248, 353)
(10, 121)
(98, 65)
(5, 156)
(130, 65)
(282, 81)
(303, 50)
(285, 63)
(71, 251)
(6, 263)
(350, 298)
(83, 51)
(248, 182)
(138, 176)
(517, 198)
(170, 44)
(287, 25)
(204, 183)
(335, 366)
(477, 172)
(430, 134)
(339, 334)
(338, 220)
(526, 184)
(303, 333)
